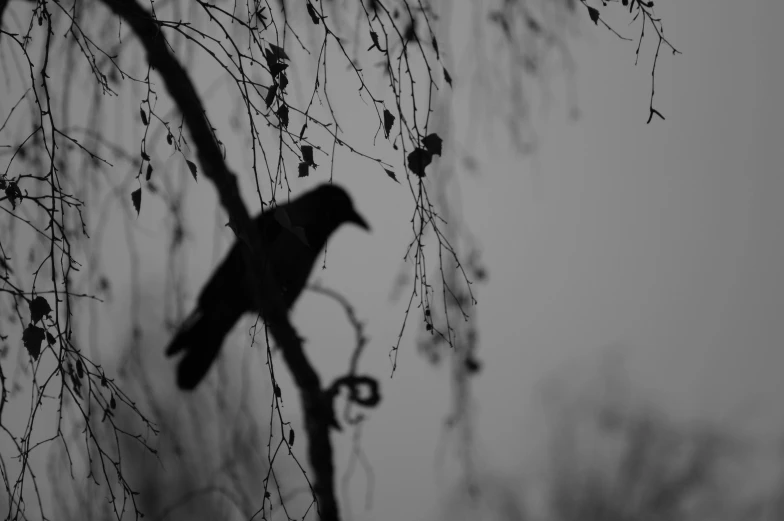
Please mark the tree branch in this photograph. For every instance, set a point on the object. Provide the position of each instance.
(268, 296)
(3, 4)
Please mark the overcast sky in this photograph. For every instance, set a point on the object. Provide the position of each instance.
(664, 240)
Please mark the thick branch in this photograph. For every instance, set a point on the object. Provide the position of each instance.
(3, 4)
(269, 300)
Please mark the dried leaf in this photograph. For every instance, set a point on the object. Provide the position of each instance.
(271, 95)
(193, 169)
(32, 338)
(136, 198)
(418, 160)
(283, 115)
(594, 14)
(374, 38)
(314, 16)
(39, 308)
(433, 144)
(307, 154)
(389, 120)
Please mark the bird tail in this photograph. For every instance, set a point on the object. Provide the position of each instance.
(200, 337)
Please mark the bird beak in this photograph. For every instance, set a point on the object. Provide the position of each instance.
(357, 219)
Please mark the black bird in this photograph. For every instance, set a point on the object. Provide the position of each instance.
(293, 234)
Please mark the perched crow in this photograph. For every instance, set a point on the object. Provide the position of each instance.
(293, 234)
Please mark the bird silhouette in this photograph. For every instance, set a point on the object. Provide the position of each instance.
(293, 235)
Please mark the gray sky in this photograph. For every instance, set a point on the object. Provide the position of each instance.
(664, 239)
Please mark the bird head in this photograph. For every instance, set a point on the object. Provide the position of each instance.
(336, 207)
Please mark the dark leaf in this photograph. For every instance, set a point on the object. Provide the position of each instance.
(149, 172)
(39, 308)
(145, 156)
(389, 120)
(447, 77)
(594, 14)
(50, 338)
(303, 169)
(136, 198)
(418, 160)
(307, 154)
(302, 132)
(391, 174)
(271, 94)
(32, 338)
(13, 193)
(283, 80)
(277, 68)
(144, 116)
(376, 44)
(434, 42)
(313, 14)
(270, 57)
(169, 138)
(277, 52)
(291, 437)
(193, 169)
(277, 391)
(283, 115)
(433, 144)
(79, 369)
(113, 403)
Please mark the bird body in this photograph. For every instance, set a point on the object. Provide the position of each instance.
(293, 235)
